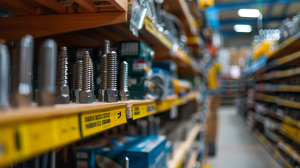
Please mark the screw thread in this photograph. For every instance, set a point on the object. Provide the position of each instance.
(38, 81)
(78, 75)
(103, 71)
(124, 76)
(106, 46)
(62, 67)
(92, 75)
(112, 70)
(86, 71)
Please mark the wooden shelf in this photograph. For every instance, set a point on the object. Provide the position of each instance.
(54, 18)
(177, 159)
(266, 98)
(288, 150)
(289, 46)
(272, 150)
(63, 124)
(180, 9)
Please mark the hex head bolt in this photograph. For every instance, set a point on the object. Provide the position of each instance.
(4, 76)
(86, 95)
(21, 72)
(124, 92)
(47, 78)
(111, 92)
(62, 95)
(38, 83)
(78, 81)
(106, 45)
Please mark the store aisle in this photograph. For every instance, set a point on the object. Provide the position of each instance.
(236, 147)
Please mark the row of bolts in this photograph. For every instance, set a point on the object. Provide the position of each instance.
(16, 78)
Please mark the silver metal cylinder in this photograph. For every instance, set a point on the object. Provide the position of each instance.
(73, 71)
(103, 78)
(21, 75)
(4, 76)
(47, 80)
(126, 163)
(156, 125)
(106, 46)
(151, 125)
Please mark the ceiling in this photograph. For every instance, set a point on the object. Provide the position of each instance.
(224, 15)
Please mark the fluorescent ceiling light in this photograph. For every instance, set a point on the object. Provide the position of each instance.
(242, 28)
(249, 13)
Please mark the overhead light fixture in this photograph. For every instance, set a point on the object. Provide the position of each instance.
(242, 28)
(253, 13)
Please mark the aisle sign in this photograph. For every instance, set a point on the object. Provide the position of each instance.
(96, 121)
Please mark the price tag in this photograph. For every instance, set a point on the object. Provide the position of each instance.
(8, 147)
(96, 121)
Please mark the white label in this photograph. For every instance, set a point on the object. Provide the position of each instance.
(147, 84)
(131, 81)
(138, 66)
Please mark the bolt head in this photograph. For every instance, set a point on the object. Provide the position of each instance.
(75, 95)
(124, 95)
(20, 100)
(101, 95)
(86, 96)
(111, 95)
(62, 95)
(45, 98)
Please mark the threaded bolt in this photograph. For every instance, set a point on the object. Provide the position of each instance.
(106, 46)
(92, 79)
(123, 92)
(21, 74)
(103, 78)
(78, 75)
(62, 88)
(78, 82)
(86, 95)
(111, 92)
(86, 71)
(111, 82)
(47, 68)
(62, 67)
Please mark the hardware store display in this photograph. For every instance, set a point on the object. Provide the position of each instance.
(81, 87)
(269, 98)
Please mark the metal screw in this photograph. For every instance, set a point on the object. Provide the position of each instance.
(126, 162)
(86, 95)
(4, 76)
(111, 92)
(123, 92)
(62, 88)
(47, 69)
(92, 79)
(78, 81)
(21, 90)
(106, 46)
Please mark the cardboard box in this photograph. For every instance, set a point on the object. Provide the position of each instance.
(142, 153)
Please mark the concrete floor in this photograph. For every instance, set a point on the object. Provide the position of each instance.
(236, 147)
